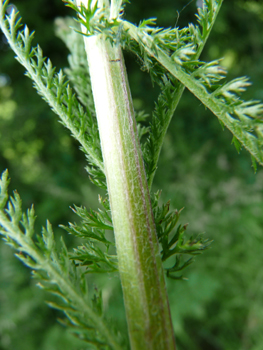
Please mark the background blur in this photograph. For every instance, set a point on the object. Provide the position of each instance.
(220, 307)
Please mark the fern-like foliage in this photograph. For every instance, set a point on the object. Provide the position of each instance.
(55, 90)
(177, 51)
(78, 70)
(171, 92)
(173, 239)
(97, 21)
(94, 18)
(95, 256)
(171, 40)
(78, 75)
(172, 58)
(171, 55)
(181, 45)
(95, 253)
(55, 271)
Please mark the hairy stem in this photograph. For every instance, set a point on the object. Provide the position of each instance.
(139, 260)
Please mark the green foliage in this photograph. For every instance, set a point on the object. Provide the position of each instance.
(165, 106)
(202, 79)
(182, 48)
(93, 229)
(178, 51)
(78, 70)
(53, 87)
(176, 245)
(54, 270)
(78, 74)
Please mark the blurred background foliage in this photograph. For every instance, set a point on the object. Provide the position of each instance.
(220, 306)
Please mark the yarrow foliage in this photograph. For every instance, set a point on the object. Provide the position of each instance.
(172, 238)
(54, 271)
(242, 118)
(95, 19)
(171, 56)
(53, 88)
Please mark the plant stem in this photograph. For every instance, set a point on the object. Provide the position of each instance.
(139, 260)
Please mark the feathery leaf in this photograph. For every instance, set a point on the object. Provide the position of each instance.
(55, 271)
(53, 88)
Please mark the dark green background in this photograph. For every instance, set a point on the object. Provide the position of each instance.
(220, 307)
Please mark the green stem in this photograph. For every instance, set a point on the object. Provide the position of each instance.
(139, 260)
